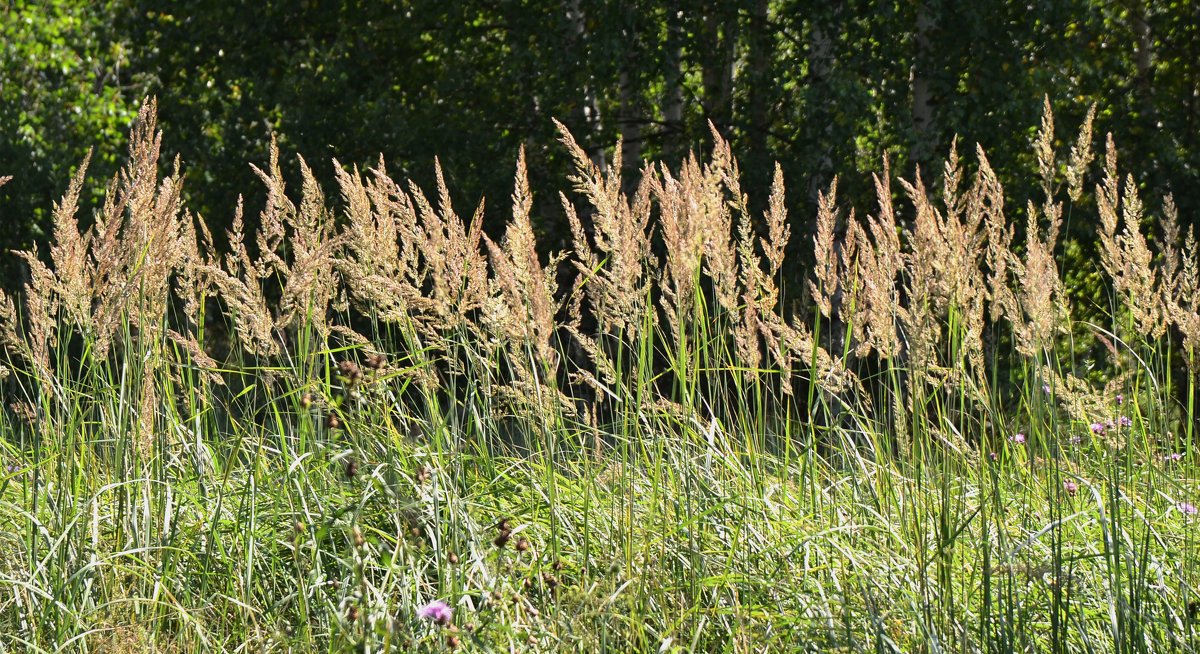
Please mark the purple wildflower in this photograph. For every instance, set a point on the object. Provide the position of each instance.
(1097, 429)
(1173, 456)
(437, 611)
(1071, 488)
(1017, 438)
(993, 456)
(1125, 421)
(1076, 439)
(1187, 508)
(1108, 424)
(1120, 399)
(1046, 388)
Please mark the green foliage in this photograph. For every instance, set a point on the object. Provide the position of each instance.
(67, 87)
(818, 86)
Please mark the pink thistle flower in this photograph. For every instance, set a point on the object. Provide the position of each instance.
(1120, 399)
(1076, 439)
(993, 456)
(1071, 488)
(437, 611)
(1173, 456)
(1098, 429)
(1125, 421)
(1017, 438)
(1187, 508)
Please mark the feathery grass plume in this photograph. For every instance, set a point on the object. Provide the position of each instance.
(880, 261)
(194, 283)
(1139, 279)
(964, 239)
(41, 314)
(379, 262)
(69, 255)
(1168, 246)
(999, 256)
(748, 329)
(525, 317)
(137, 245)
(1107, 202)
(1083, 403)
(826, 269)
(1189, 320)
(1043, 147)
(240, 287)
(720, 257)
(1041, 298)
(1126, 257)
(683, 235)
(1081, 157)
(67, 285)
(617, 271)
(596, 354)
(925, 268)
(307, 275)
(452, 265)
(758, 293)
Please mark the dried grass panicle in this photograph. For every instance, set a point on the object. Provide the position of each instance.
(1081, 157)
(683, 237)
(1043, 147)
(720, 256)
(617, 270)
(872, 259)
(1043, 310)
(1139, 279)
(69, 255)
(525, 287)
(240, 287)
(307, 275)
(452, 267)
(1125, 256)
(999, 258)
(379, 263)
(826, 268)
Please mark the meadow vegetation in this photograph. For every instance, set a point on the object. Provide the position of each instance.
(368, 426)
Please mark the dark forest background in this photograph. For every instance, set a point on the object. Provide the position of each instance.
(823, 88)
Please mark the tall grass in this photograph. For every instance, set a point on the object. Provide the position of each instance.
(648, 442)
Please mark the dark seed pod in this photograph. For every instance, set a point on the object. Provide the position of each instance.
(501, 538)
(332, 422)
(351, 469)
(352, 613)
(451, 641)
(522, 545)
(452, 558)
(306, 400)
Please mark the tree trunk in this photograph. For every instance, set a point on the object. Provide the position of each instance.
(758, 95)
(591, 106)
(717, 68)
(922, 98)
(672, 107)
